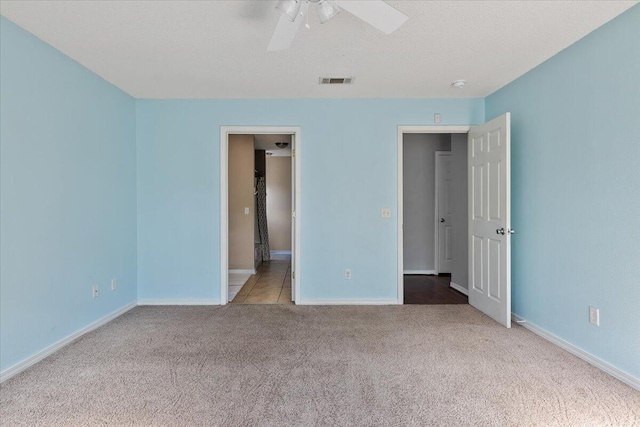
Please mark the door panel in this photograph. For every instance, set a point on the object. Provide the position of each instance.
(444, 184)
(477, 187)
(490, 219)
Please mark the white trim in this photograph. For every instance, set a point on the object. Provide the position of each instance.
(225, 131)
(626, 378)
(429, 272)
(401, 131)
(280, 252)
(459, 288)
(322, 301)
(433, 129)
(42, 354)
(179, 301)
(246, 271)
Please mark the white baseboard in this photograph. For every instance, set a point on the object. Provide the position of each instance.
(430, 272)
(280, 252)
(349, 302)
(577, 351)
(245, 271)
(202, 301)
(32, 360)
(459, 288)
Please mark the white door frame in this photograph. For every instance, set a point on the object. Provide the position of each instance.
(225, 131)
(436, 204)
(401, 131)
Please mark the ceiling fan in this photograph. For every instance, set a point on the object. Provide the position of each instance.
(374, 12)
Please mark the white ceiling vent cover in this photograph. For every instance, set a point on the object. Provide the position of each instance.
(336, 80)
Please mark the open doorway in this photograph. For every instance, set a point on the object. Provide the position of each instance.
(489, 232)
(259, 231)
(434, 216)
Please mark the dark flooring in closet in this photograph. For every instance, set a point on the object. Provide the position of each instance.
(423, 289)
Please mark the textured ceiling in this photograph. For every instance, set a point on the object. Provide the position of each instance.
(217, 49)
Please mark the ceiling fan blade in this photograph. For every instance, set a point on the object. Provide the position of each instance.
(376, 13)
(284, 34)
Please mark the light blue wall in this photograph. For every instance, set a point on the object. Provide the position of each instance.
(576, 191)
(68, 195)
(68, 192)
(349, 171)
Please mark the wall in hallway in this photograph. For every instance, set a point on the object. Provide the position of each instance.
(241, 200)
(279, 202)
(460, 216)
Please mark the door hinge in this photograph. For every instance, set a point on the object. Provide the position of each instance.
(293, 214)
(293, 152)
(293, 275)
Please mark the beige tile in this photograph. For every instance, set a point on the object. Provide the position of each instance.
(285, 294)
(270, 281)
(270, 276)
(246, 289)
(267, 285)
(262, 299)
(262, 295)
(238, 298)
(285, 298)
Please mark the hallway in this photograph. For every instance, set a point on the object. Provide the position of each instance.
(270, 285)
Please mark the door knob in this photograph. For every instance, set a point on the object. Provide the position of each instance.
(441, 219)
(500, 231)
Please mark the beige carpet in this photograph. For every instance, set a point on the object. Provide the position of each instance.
(244, 365)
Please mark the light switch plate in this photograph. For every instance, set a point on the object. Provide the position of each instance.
(594, 316)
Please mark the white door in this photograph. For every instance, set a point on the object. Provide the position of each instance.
(443, 212)
(293, 217)
(490, 218)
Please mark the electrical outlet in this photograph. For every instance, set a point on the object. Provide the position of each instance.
(594, 316)
(385, 212)
(114, 284)
(95, 291)
(437, 118)
(347, 274)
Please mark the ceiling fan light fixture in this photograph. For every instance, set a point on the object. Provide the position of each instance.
(327, 10)
(289, 8)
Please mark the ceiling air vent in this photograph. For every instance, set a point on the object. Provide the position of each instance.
(336, 80)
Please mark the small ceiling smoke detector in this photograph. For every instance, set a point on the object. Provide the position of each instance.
(459, 84)
(282, 144)
(336, 80)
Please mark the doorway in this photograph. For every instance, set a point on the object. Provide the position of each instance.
(489, 231)
(259, 255)
(434, 212)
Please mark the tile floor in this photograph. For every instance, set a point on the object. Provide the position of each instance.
(270, 285)
(236, 282)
